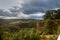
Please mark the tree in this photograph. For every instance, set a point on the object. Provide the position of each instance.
(47, 15)
(50, 14)
(57, 15)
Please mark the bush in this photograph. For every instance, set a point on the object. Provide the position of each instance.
(50, 27)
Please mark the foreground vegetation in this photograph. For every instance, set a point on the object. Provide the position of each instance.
(23, 34)
(26, 34)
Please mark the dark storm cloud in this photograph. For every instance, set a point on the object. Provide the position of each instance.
(33, 6)
(40, 6)
(31, 9)
(4, 12)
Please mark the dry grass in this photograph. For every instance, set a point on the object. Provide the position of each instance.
(48, 37)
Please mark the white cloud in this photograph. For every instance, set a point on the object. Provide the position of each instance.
(20, 3)
(21, 15)
(6, 17)
(6, 10)
(27, 16)
(56, 8)
(37, 14)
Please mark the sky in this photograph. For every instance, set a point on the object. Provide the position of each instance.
(26, 9)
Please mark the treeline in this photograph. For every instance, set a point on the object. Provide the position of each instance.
(52, 14)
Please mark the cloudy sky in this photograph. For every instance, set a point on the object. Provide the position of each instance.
(26, 9)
